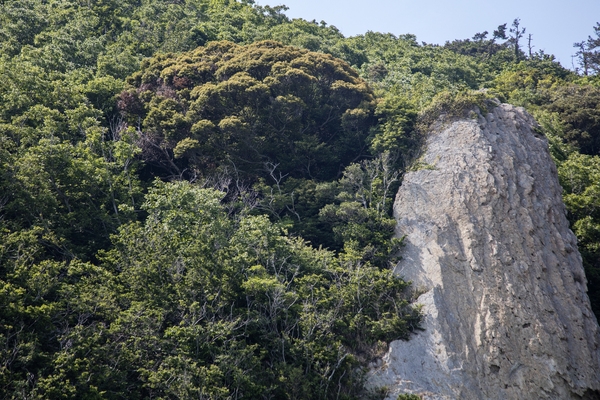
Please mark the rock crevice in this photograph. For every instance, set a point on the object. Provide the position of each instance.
(504, 293)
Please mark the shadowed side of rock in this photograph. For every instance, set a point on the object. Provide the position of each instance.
(504, 292)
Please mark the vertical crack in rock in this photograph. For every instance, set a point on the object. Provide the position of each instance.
(506, 314)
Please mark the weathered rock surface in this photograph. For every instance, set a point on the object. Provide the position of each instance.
(504, 292)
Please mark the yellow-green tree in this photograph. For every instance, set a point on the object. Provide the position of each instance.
(263, 110)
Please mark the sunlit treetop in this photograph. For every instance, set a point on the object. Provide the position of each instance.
(261, 110)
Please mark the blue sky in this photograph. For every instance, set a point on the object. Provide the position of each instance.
(555, 24)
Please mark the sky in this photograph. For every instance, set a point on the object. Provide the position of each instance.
(554, 24)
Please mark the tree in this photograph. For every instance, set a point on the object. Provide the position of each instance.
(594, 47)
(195, 301)
(583, 55)
(246, 108)
(479, 37)
(577, 107)
(500, 32)
(479, 46)
(517, 34)
(588, 52)
(529, 46)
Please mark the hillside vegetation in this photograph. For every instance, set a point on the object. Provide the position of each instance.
(195, 195)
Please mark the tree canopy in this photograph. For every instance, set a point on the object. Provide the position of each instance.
(258, 110)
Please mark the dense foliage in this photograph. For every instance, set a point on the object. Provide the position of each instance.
(194, 302)
(261, 109)
(195, 196)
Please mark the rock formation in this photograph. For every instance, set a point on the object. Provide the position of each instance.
(506, 314)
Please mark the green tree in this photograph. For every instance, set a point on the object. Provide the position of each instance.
(517, 33)
(588, 53)
(577, 106)
(259, 110)
(208, 304)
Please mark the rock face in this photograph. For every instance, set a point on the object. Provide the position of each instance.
(503, 288)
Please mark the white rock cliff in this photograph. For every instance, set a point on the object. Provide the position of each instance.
(506, 314)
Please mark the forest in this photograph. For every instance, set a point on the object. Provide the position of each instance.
(196, 195)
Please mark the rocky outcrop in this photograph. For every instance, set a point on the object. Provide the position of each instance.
(506, 314)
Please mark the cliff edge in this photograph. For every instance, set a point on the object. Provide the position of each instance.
(506, 314)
